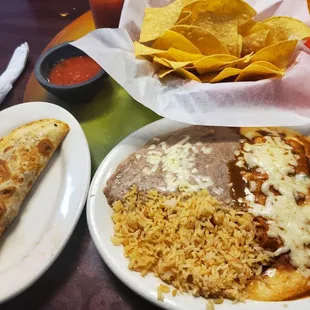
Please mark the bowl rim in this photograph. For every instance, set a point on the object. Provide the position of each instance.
(45, 83)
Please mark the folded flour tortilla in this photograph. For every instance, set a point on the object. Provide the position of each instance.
(23, 155)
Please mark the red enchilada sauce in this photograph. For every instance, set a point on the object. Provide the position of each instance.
(74, 70)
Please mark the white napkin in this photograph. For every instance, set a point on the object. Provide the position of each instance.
(13, 70)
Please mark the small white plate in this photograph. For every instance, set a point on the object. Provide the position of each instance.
(101, 229)
(51, 210)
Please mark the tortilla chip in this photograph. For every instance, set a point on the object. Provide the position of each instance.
(237, 9)
(225, 74)
(221, 26)
(254, 42)
(205, 41)
(171, 64)
(278, 54)
(157, 20)
(185, 18)
(283, 27)
(172, 39)
(244, 29)
(178, 55)
(207, 77)
(214, 63)
(251, 27)
(146, 57)
(259, 71)
(185, 74)
(164, 72)
(244, 61)
(239, 45)
(268, 65)
(142, 50)
(187, 3)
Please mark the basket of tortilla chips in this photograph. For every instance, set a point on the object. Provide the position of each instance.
(212, 62)
(214, 41)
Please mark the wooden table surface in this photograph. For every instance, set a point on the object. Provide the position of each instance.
(78, 279)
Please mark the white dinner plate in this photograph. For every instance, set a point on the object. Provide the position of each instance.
(51, 210)
(101, 229)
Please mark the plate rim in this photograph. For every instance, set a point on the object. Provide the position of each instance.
(46, 263)
(90, 220)
(90, 207)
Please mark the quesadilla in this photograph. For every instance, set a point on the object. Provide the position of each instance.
(23, 155)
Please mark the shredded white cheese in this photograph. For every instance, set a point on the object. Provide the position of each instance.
(206, 150)
(195, 149)
(178, 164)
(286, 219)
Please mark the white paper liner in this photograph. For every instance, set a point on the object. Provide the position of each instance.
(273, 102)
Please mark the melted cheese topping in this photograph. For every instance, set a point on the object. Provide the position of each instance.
(286, 219)
(178, 164)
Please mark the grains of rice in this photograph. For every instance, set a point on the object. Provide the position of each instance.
(189, 240)
(210, 305)
(164, 288)
(161, 290)
(218, 301)
(160, 294)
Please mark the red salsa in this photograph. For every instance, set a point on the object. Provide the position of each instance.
(74, 70)
(308, 43)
